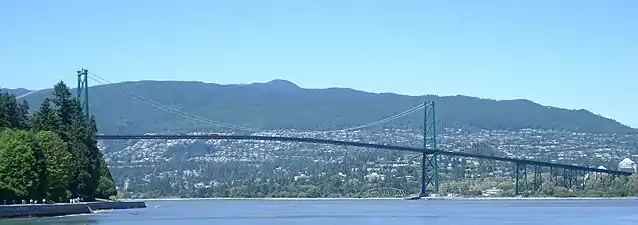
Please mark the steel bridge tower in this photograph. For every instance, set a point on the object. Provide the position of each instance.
(83, 91)
(429, 162)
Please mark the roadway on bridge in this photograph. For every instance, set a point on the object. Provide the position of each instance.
(357, 144)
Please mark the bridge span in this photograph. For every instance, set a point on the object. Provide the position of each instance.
(429, 150)
(359, 144)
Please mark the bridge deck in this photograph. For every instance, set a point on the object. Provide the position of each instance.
(360, 144)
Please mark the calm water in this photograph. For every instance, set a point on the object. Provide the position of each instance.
(368, 212)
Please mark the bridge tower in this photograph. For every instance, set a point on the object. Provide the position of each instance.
(83, 91)
(429, 162)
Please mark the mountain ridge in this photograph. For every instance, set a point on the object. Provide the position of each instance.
(15, 91)
(281, 104)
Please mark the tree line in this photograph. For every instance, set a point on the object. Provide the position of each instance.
(52, 154)
(258, 180)
(336, 186)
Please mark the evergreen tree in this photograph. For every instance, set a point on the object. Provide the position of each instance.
(80, 176)
(104, 170)
(24, 122)
(9, 116)
(72, 129)
(63, 109)
(88, 172)
(101, 176)
(45, 119)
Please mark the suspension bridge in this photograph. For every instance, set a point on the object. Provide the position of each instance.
(429, 152)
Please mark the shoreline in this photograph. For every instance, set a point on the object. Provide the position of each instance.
(403, 199)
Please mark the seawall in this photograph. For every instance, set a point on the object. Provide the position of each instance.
(41, 210)
(13, 211)
(115, 205)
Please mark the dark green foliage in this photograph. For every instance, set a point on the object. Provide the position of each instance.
(336, 186)
(83, 167)
(104, 170)
(63, 111)
(95, 159)
(105, 188)
(596, 185)
(9, 193)
(20, 164)
(631, 187)
(12, 114)
(53, 154)
(23, 114)
(59, 163)
(45, 118)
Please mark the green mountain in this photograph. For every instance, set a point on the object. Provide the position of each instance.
(282, 104)
(16, 92)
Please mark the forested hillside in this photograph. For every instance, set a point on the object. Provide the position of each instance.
(281, 104)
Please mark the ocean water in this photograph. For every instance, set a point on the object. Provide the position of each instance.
(368, 212)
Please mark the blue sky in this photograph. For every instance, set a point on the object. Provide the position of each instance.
(571, 54)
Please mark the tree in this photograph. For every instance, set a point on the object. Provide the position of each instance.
(105, 188)
(80, 173)
(106, 184)
(88, 169)
(95, 158)
(64, 112)
(8, 193)
(45, 119)
(24, 122)
(73, 130)
(104, 170)
(19, 164)
(63, 109)
(631, 187)
(9, 112)
(58, 164)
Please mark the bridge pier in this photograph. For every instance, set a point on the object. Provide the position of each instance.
(517, 188)
(538, 178)
(429, 174)
(525, 186)
(423, 192)
(429, 162)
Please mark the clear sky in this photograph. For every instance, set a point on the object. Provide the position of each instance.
(571, 54)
